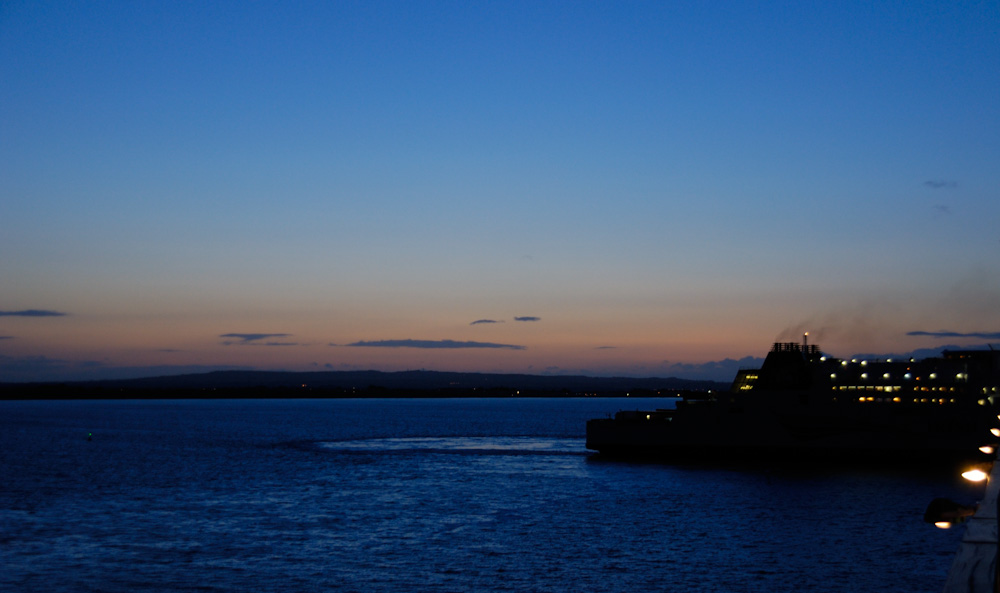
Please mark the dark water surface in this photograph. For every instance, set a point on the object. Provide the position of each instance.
(416, 495)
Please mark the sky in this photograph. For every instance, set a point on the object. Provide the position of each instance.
(603, 188)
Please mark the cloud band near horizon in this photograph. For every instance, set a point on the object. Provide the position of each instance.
(451, 344)
(255, 339)
(952, 334)
(32, 313)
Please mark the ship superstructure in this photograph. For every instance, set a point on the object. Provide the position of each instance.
(801, 401)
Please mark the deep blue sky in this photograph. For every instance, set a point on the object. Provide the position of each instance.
(655, 184)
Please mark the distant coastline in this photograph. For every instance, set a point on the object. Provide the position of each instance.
(360, 384)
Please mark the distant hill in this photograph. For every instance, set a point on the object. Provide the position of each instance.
(234, 384)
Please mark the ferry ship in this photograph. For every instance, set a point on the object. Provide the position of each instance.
(802, 403)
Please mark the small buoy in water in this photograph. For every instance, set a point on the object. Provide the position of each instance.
(90, 436)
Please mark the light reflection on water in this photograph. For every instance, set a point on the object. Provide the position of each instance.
(511, 445)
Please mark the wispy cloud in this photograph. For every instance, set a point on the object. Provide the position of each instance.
(32, 313)
(527, 318)
(29, 368)
(432, 344)
(255, 340)
(719, 370)
(40, 368)
(6, 337)
(941, 184)
(605, 348)
(919, 353)
(481, 321)
(952, 334)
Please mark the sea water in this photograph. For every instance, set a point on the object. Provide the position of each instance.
(402, 495)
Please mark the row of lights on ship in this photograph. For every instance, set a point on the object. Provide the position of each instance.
(908, 376)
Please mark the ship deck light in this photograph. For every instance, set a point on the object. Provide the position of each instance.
(944, 513)
(975, 475)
